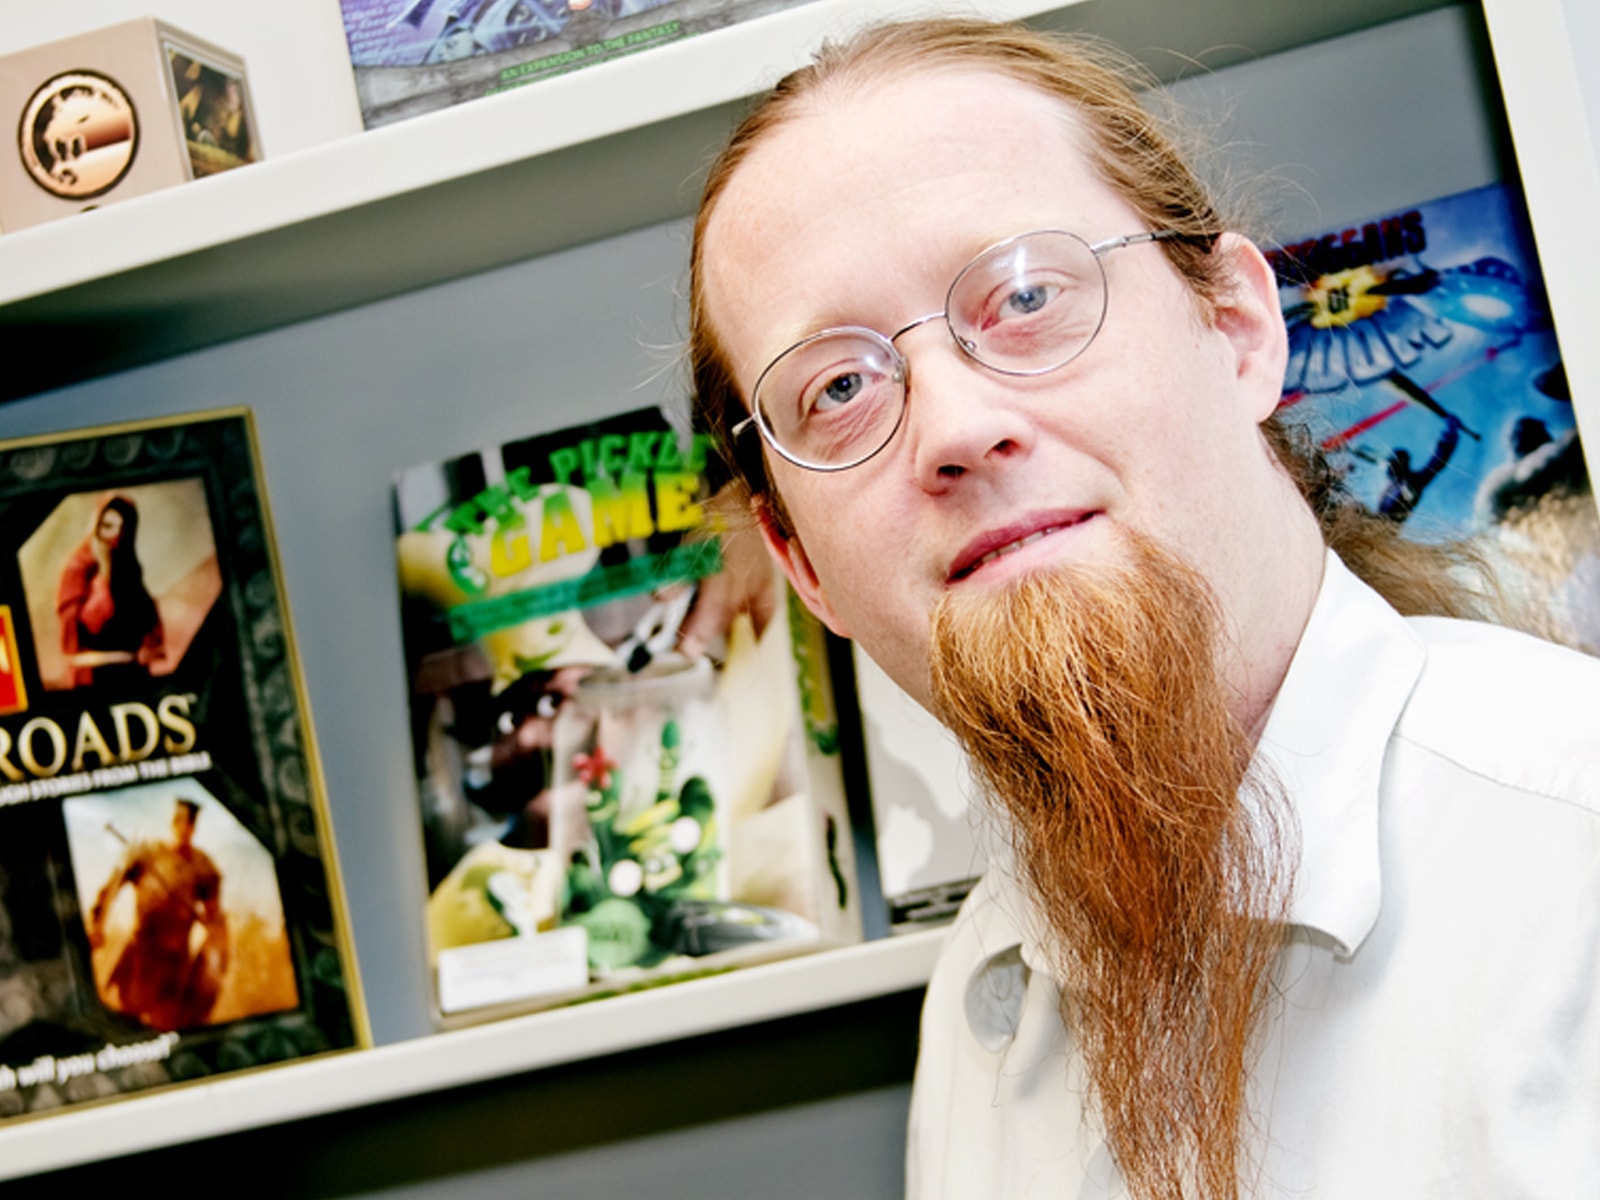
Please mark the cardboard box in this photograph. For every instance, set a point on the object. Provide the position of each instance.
(416, 56)
(124, 110)
(928, 824)
(628, 757)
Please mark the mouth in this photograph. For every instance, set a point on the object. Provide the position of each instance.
(994, 546)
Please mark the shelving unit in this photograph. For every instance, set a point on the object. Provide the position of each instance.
(446, 1060)
(510, 180)
(481, 185)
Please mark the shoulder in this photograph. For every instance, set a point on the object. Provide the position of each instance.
(1509, 707)
(79, 562)
(138, 857)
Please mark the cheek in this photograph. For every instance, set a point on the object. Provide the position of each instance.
(1190, 378)
(859, 554)
(842, 554)
(1209, 497)
(1176, 435)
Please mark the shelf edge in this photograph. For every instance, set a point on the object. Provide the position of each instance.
(436, 1062)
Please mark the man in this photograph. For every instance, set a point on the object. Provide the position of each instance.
(170, 971)
(1301, 897)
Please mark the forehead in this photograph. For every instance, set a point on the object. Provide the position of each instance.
(860, 209)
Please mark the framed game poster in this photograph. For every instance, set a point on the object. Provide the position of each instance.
(170, 908)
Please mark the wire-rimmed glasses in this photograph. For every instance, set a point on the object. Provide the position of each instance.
(1027, 305)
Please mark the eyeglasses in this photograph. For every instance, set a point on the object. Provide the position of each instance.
(1027, 305)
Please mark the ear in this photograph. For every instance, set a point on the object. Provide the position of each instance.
(791, 558)
(1247, 313)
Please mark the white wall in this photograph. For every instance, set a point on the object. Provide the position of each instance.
(1583, 33)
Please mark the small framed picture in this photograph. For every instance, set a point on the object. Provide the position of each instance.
(214, 108)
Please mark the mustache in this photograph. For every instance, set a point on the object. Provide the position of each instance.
(1091, 703)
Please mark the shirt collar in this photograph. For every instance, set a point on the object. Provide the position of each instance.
(1325, 741)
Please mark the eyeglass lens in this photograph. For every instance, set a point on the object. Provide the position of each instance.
(1025, 306)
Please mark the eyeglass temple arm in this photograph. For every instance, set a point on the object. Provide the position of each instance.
(1206, 240)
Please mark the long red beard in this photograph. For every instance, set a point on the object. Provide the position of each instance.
(1092, 708)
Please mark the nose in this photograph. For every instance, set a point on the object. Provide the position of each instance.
(961, 419)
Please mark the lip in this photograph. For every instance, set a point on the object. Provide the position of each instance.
(996, 543)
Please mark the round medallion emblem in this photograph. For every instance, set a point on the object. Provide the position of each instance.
(78, 135)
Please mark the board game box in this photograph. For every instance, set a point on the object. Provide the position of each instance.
(414, 56)
(625, 745)
(170, 908)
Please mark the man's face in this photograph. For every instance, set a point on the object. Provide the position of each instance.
(861, 212)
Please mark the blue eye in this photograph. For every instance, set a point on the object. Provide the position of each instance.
(830, 397)
(840, 390)
(1027, 300)
(1021, 300)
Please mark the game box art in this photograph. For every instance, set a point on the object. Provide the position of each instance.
(1423, 359)
(414, 56)
(625, 744)
(169, 903)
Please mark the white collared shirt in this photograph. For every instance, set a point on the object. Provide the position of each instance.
(1434, 1030)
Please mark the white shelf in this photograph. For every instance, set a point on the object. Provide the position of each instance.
(499, 131)
(356, 1078)
(504, 178)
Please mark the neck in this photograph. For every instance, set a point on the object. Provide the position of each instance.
(1270, 610)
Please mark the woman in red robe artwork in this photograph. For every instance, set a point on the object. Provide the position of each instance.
(110, 627)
